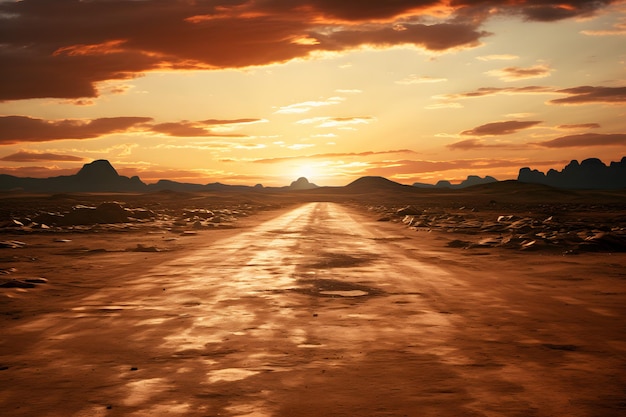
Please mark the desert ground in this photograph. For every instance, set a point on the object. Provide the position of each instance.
(494, 302)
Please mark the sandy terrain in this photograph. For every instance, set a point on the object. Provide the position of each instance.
(315, 309)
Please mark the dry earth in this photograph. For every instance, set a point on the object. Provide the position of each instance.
(314, 309)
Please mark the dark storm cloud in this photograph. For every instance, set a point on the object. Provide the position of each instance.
(63, 48)
(15, 129)
(500, 128)
(584, 140)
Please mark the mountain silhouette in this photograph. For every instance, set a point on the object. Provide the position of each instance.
(302, 184)
(97, 176)
(591, 173)
(469, 182)
(101, 176)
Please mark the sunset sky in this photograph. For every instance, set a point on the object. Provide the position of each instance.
(266, 91)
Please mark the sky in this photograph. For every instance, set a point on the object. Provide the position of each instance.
(266, 91)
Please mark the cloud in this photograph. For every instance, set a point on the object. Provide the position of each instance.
(416, 79)
(490, 91)
(228, 122)
(580, 126)
(590, 95)
(618, 29)
(191, 129)
(549, 11)
(473, 144)
(574, 95)
(517, 73)
(63, 49)
(28, 156)
(415, 167)
(500, 128)
(500, 57)
(336, 121)
(37, 171)
(16, 129)
(308, 105)
(584, 140)
(333, 155)
(349, 91)
(445, 105)
(298, 146)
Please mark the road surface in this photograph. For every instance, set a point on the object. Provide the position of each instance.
(321, 312)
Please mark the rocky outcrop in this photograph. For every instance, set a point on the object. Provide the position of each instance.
(591, 173)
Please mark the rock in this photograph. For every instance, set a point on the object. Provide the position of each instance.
(142, 248)
(604, 241)
(36, 280)
(141, 214)
(458, 244)
(408, 210)
(108, 212)
(15, 283)
(12, 244)
(11, 224)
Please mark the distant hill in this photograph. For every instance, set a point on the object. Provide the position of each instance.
(469, 182)
(100, 176)
(302, 184)
(373, 184)
(589, 174)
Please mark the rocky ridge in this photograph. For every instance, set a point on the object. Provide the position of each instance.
(570, 232)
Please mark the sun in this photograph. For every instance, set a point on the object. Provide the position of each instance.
(305, 170)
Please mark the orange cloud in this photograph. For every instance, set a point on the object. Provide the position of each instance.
(195, 129)
(37, 172)
(408, 167)
(490, 91)
(472, 144)
(500, 128)
(584, 140)
(62, 49)
(27, 156)
(517, 73)
(16, 129)
(588, 94)
(580, 126)
(333, 155)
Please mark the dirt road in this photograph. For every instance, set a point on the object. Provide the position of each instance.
(322, 311)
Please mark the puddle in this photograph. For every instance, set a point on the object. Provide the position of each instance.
(335, 288)
(230, 374)
(310, 345)
(340, 260)
(351, 293)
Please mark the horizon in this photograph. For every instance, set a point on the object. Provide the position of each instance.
(261, 93)
(470, 180)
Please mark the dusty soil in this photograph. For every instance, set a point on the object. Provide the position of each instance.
(314, 309)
